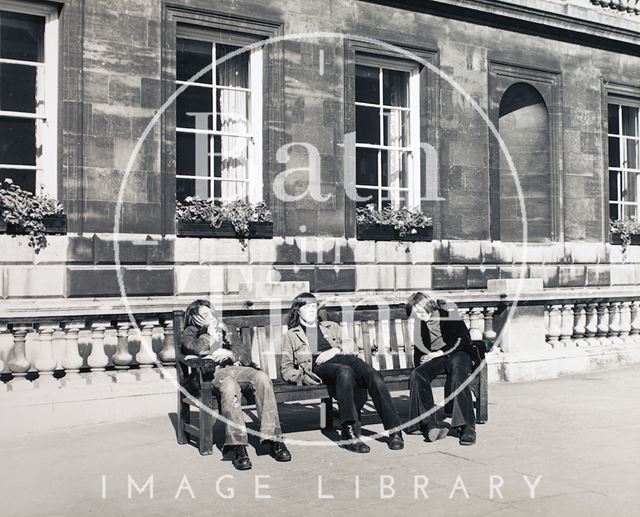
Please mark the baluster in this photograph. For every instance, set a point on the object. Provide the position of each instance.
(614, 324)
(566, 325)
(146, 357)
(603, 324)
(635, 321)
(591, 328)
(489, 333)
(19, 364)
(58, 346)
(168, 354)
(44, 361)
(97, 359)
(476, 323)
(464, 314)
(625, 322)
(122, 358)
(6, 343)
(110, 342)
(579, 324)
(72, 360)
(555, 325)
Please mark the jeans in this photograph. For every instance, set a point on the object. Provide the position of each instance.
(458, 367)
(343, 375)
(230, 381)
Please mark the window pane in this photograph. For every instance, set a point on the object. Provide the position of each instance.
(370, 195)
(191, 57)
(26, 180)
(613, 185)
(613, 212)
(632, 154)
(395, 88)
(192, 154)
(21, 36)
(233, 71)
(366, 166)
(396, 128)
(367, 125)
(17, 88)
(186, 187)
(229, 190)
(629, 121)
(231, 158)
(630, 194)
(194, 99)
(395, 169)
(232, 111)
(614, 122)
(614, 152)
(17, 141)
(394, 198)
(367, 84)
(630, 211)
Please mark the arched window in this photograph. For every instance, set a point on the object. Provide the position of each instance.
(524, 127)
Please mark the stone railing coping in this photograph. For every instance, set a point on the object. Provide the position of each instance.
(52, 309)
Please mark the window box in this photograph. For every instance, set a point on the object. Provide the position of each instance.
(616, 238)
(54, 225)
(263, 230)
(381, 232)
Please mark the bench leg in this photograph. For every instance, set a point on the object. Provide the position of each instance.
(326, 413)
(184, 414)
(205, 425)
(482, 400)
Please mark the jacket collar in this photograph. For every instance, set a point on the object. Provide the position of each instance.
(302, 336)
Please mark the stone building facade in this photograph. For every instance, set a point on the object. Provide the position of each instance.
(556, 80)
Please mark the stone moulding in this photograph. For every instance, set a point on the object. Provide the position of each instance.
(379, 232)
(256, 230)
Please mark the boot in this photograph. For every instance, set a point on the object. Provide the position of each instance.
(241, 459)
(395, 442)
(279, 451)
(355, 445)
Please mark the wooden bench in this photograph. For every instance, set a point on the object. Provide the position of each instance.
(384, 338)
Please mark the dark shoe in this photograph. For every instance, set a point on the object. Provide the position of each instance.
(468, 436)
(355, 445)
(396, 442)
(241, 459)
(436, 433)
(279, 451)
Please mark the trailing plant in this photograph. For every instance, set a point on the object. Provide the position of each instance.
(26, 212)
(405, 220)
(239, 213)
(626, 228)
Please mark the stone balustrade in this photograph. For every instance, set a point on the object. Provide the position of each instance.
(626, 6)
(592, 324)
(72, 351)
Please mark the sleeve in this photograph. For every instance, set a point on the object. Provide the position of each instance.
(288, 369)
(197, 342)
(347, 345)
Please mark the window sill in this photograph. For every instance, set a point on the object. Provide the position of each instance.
(226, 231)
(615, 238)
(379, 232)
(53, 224)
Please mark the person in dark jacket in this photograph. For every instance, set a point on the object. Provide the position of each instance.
(314, 352)
(205, 336)
(442, 344)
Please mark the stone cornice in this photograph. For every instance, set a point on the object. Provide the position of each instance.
(569, 20)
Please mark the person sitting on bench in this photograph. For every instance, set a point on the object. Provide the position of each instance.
(313, 351)
(442, 344)
(204, 335)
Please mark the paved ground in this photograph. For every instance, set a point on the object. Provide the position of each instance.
(580, 434)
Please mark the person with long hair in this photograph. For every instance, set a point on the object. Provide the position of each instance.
(205, 335)
(314, 352)
(442, 344)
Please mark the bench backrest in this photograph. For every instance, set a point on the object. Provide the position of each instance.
(385, 337)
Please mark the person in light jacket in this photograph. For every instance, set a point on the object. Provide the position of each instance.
(205, 336)
(314, 352)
